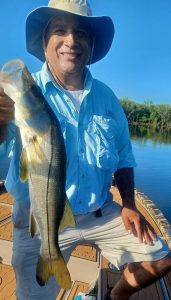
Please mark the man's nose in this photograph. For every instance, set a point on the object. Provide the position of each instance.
(70, 39)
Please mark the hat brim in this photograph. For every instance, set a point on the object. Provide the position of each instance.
(37, 20)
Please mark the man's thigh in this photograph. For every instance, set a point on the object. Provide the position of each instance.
(109, 234)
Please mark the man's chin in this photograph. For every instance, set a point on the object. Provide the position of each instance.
(72, 68)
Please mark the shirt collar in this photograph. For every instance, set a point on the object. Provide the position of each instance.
(46, 77)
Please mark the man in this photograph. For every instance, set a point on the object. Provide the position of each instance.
(68, 38)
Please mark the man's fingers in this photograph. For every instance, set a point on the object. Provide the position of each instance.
(147, 238)
(6, 114)
(1, 89)
(6, 107)
(149, 235)
(6, 101)
(128, 225)
(139, 229)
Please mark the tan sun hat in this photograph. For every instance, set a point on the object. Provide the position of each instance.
(37, 20)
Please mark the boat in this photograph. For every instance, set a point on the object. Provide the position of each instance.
(91, 273)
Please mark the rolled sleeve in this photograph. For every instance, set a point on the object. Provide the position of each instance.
(126, 156)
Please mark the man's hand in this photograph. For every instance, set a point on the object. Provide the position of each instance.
(6, 113)
(136, 224)
(6, 107)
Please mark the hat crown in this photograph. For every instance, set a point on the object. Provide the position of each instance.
(80, 7)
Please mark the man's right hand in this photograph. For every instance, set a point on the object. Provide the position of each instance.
(6, 107)
(6, 113)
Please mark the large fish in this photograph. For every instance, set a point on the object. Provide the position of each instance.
(43, 163)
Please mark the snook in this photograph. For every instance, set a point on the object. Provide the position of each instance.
(43, 163)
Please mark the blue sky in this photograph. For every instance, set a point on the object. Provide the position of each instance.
(138, 65)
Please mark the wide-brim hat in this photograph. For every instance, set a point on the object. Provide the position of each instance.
(38, 19)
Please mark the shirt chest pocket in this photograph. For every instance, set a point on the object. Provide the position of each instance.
(100, 143)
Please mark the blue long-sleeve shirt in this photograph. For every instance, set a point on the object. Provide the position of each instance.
(96, 138)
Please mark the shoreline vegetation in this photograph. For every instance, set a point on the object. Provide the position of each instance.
(157, 116)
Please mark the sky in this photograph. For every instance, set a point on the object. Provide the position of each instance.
(138, 65)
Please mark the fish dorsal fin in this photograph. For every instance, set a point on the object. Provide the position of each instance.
(68, 217)
(33, 225)
(23, 170)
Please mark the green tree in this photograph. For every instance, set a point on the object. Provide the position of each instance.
(147, 113)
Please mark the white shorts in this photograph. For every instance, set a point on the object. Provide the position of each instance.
(106, 232)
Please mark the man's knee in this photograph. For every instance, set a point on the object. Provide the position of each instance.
(156, 269)
(165, 262)
(162, 266)
(25, 260)
(18, 261)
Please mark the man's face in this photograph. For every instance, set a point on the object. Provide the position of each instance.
(68, 44)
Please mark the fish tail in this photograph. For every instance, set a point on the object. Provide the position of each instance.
(56, 267)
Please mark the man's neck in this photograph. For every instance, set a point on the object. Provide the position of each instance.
(71, 82)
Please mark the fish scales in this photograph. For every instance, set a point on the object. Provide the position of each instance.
(52, 185)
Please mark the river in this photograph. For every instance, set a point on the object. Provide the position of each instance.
(152, 150)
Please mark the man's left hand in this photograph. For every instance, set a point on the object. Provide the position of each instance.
(136, 224)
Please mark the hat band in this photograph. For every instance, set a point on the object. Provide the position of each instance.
(72, 8)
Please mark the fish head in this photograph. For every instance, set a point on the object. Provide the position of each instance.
(29, 101)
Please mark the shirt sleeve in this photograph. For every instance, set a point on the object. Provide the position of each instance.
(10, 138)
(125, 152)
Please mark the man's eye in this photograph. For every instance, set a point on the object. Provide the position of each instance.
(60, 31)
(82, 33)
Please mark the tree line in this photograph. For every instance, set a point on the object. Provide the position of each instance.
(147, 113)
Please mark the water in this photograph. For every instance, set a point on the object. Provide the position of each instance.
(153, 172)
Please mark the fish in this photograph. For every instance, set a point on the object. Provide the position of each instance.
(43, 163)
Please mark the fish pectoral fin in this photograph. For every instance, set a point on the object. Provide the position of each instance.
(23, 169)
(68, 217)
(33, 225)
(36, 153)
(57, 268)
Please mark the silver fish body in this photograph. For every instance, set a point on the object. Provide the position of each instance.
(48, 181)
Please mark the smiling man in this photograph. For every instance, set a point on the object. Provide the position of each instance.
(67, 38)
(68, 49)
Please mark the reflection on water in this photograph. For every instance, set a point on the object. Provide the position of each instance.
(143, 133)
(152, 150)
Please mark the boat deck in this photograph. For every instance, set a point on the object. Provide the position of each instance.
(83, 259)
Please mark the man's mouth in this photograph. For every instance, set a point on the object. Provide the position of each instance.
(71, 55)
